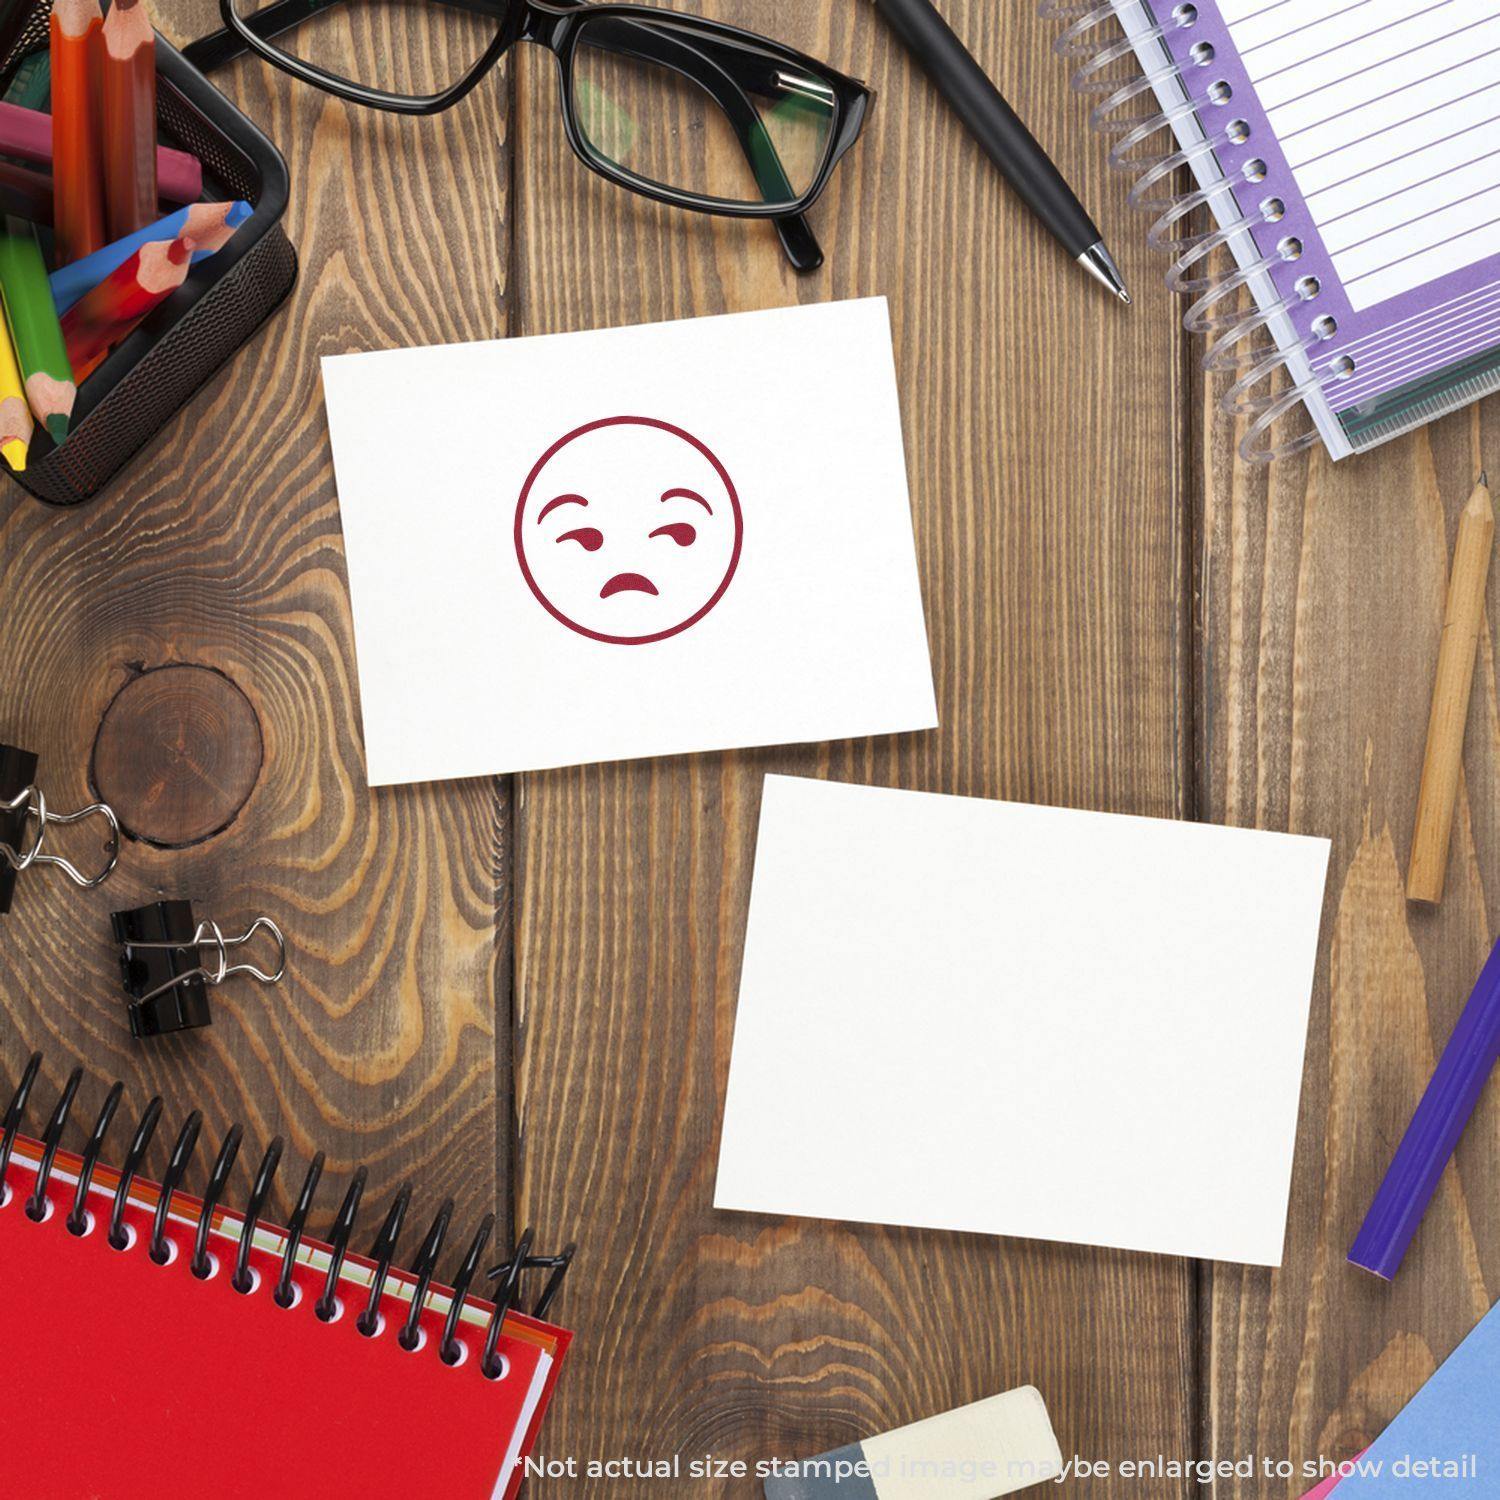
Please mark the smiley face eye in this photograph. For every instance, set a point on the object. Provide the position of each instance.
(680, 532)
(590, 538)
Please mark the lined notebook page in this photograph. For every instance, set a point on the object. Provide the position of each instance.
(1389, 113)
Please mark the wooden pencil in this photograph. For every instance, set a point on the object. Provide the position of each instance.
(16, 425)
(28, 194)
(35, 331)
(25, 193)
(98, 321)
(26, 134)
(210, 226)
(78, 215)
(1463, 619)
(31, 84)
(129, 118)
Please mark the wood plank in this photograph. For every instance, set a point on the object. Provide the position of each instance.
(1323, 589)
(1049, 495)
(221, 550)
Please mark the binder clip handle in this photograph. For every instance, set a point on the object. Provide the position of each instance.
(169, 962)
(31, 805)
(226, 970)
(210, 934)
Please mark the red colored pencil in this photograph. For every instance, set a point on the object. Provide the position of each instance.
(129, 118)
(79, 181)
(98, 321)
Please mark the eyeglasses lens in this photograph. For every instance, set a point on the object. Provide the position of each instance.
(407, 47)
(674, 107)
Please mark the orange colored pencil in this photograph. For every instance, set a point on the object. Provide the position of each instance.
(76, 170)
(99, 320)
(129, 118)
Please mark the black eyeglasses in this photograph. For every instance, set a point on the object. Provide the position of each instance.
(679, 109)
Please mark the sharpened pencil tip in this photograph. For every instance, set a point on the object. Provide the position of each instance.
(57, 427)
(1484, 478)
(15, 454)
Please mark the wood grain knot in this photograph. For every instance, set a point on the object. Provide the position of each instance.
(178, 752)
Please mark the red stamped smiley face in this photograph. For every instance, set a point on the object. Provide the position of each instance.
(628, 530)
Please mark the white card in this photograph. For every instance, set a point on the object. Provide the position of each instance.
(1016, 1020)
(641, 541)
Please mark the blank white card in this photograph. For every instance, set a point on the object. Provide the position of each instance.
(983, 1016)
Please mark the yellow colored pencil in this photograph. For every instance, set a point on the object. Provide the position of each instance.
(15, 415)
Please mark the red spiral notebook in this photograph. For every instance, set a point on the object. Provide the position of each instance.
(128, 1379)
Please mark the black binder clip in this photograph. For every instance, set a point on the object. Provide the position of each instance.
(25, 820)
(161, 958)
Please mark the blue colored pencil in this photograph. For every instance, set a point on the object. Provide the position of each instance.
(209, 225)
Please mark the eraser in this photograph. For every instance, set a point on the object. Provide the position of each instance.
(979, 1452)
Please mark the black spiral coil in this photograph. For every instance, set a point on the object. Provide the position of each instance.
(383, 1252)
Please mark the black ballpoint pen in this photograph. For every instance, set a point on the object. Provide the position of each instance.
(998, 129)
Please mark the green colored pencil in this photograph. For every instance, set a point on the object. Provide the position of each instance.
(34, 328)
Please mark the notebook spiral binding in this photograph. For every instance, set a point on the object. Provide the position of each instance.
(161, 1251)
(1118, 114)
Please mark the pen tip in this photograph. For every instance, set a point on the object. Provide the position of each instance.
(1098, 262)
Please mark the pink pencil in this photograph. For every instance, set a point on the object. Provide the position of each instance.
(27, 135)
(1328, 1486)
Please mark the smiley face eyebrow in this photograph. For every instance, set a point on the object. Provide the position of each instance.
(688, 495)
(552, 505)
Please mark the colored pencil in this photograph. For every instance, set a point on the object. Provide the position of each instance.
(26, 134)
(97, 322)
(1463, 619)
(76, 169)
(16, 425)
(25, 193)
(31, 85)
(129, 118)
(208, 224)
(34, 329)
(1435, 1130)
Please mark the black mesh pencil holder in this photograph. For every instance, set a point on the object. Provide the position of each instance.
(165, 362)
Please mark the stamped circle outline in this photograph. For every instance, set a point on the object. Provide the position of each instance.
(719, 469)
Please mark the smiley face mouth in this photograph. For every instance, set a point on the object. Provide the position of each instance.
(623, 583)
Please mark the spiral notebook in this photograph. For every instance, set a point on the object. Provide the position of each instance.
(133, 1378)
(1349, 152)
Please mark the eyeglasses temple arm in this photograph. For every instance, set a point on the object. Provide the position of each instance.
(797, 238)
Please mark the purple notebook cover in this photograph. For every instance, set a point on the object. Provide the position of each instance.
(1406, 337)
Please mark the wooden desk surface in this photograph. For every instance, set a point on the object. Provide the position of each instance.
(521, 992)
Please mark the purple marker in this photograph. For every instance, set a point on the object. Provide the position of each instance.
(1431, 1138)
